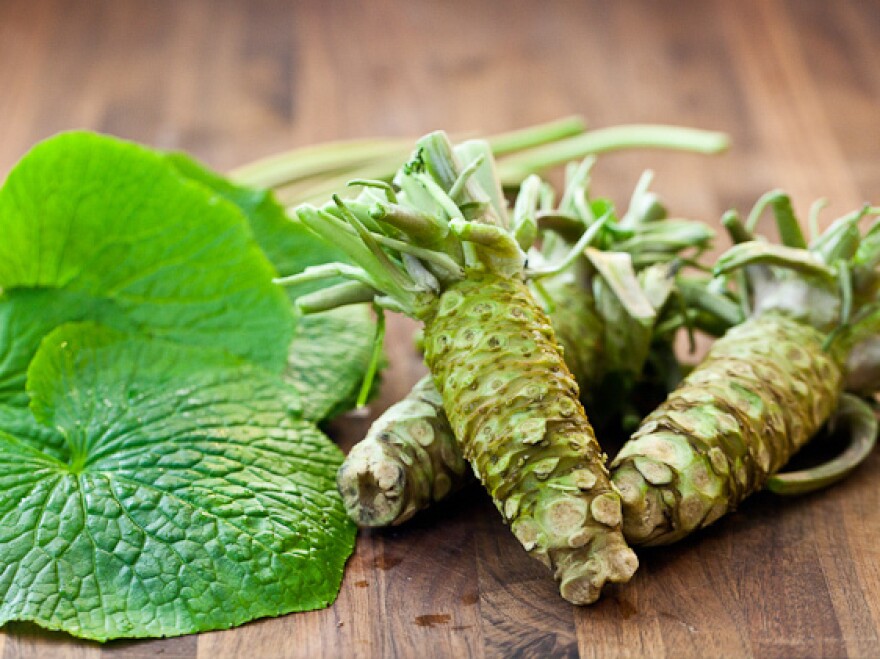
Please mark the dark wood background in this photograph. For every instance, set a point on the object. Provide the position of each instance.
(796, 84)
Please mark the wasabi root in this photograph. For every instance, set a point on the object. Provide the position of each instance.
(408, 460)
(765, 388)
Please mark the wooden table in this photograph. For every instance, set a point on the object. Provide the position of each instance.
(796, 84)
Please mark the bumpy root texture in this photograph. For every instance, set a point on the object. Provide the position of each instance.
(410, 457)
(513, 405)
(765, 388)
(408, 460)
(579, 331)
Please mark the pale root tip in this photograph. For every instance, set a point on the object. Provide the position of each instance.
(579, 591)
(372, 491)
(643, 508)
(582, 583)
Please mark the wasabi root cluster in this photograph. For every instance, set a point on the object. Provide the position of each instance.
(528, 312)
(609, 311)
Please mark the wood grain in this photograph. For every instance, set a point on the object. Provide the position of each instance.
(795, 83)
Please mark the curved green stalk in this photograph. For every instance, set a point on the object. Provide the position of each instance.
(614, 138)
(313, 173)
(325, 168)
(858, 419)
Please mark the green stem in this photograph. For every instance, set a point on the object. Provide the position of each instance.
(688, 322)
(813, 222)
(446, 263)
(545, 297)
(351, 236)
(576, 183)
(735, 228)
(789, 228)
(375, 357)
(529, 138)
(463, 178)
(333, 297)
(632, 216)
(485, 176)
(394, 273)
(326, 271)
(846, 292)
(696, 295)
(318, 188)
(385, 186)
(486, 235)
(419, 225)
(576, 252)
(759, 253)
(567, 226)
(328, 166)
(612, 139)
(318, 160)
(525, 224)
(763, 201)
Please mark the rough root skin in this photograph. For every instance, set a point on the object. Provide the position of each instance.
(579, 331)
(408, 460)
(410, 457)
(513, 405)
(763, 390)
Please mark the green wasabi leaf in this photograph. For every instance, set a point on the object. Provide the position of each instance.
(98, 228)
(20, 423)
(183, 496)
(26, 316)
(328, 359)
(330, 352)
(284, 239)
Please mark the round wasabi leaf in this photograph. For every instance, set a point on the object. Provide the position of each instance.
(18, 422)
(328, 359)
(28, 314)
(185, 496)
(330, 353)
(287, 243)
(116, 224)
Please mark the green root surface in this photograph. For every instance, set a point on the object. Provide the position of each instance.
(763, 391)
(513, 405)
(410, 457)
(408, 460)
(579, 330)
